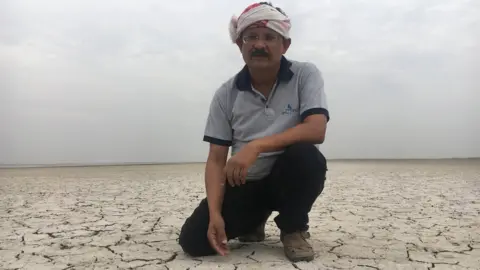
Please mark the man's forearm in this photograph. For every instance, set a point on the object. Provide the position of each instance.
(215, 186)
(311, 132)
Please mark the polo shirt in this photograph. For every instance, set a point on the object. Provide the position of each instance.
(239, 114)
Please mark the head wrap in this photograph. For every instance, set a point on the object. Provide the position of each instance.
(263, 14)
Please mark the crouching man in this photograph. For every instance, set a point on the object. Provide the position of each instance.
(272, 114)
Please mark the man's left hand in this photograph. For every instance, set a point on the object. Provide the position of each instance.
(237, 166)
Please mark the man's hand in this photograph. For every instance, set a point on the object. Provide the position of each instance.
(237, 166)
(216, 234)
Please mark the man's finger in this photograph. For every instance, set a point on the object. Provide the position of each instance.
(222, 241)
(244, 173)
(240, 175)
(231, 178)
(226, 171)
(236, 175)
(213, 241)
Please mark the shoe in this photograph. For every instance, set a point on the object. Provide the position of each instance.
(296, 247)
(256, 236)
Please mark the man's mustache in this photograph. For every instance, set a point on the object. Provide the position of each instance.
(259, 53)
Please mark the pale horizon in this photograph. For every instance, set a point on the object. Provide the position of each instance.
(112, 82)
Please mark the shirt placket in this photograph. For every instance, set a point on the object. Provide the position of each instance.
(268, 110)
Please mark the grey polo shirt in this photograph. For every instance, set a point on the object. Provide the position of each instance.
(239, 114)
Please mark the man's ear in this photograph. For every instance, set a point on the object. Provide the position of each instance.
(239, 44)
(286, 44)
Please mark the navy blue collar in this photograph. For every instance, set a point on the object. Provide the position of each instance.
(244, 82)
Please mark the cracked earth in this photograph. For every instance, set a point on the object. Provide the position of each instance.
(371, 215)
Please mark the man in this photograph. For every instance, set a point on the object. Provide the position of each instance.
(272, 113)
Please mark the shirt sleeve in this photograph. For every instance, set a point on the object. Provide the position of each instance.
(218, 129)
(313, 99)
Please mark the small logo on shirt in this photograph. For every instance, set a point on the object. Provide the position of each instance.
(289, 110)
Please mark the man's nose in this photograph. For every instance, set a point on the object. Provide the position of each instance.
(259, 44)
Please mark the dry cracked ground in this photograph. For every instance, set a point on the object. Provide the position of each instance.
(372, 215)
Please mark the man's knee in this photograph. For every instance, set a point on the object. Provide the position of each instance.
(308, 165)
(194, 242)
(185, 240)
(306, 154)
(188, 245)
(193, 234)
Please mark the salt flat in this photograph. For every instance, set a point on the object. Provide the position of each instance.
(371, 215)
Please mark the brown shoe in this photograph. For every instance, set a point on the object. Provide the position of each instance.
(296, 247)
(257, 236)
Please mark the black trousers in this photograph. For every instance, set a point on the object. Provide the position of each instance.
(296, 180)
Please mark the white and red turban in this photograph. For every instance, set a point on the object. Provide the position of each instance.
(260, 13)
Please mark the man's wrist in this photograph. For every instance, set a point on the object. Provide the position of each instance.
(258, 146)
(215, 213)
(215, 208)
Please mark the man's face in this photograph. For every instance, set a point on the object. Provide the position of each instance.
(262, 47)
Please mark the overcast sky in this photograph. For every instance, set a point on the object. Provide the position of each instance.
(86, 81)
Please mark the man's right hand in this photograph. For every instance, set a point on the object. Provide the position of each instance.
(216, 234)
